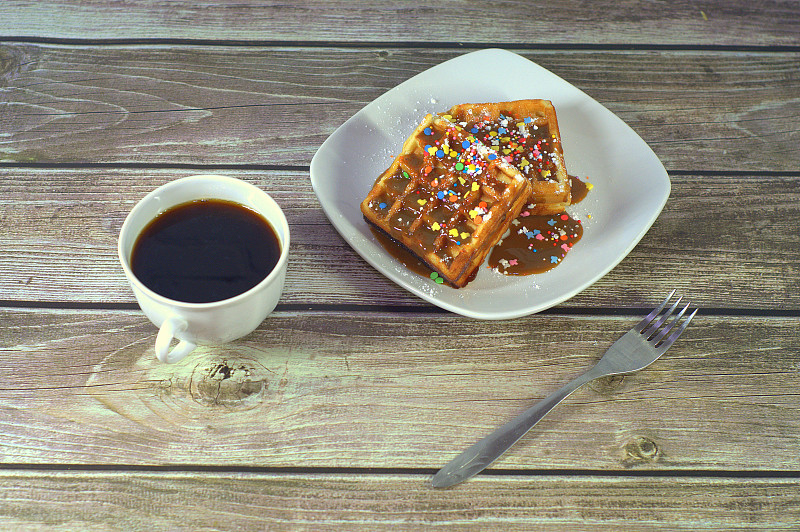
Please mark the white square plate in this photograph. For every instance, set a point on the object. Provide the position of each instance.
(631, 185)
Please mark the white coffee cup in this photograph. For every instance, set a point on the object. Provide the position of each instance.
(217, 322)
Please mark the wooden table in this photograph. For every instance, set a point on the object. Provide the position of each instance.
(335, 413)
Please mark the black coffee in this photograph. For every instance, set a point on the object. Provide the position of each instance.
(204, 251)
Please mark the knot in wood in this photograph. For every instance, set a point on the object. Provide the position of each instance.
(607, 384)
(641, 449)
(9, 63)
(237, 385)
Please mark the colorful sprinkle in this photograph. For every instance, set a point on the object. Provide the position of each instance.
(382, 205)
(436, 226)
(427, 131)
(437, 278)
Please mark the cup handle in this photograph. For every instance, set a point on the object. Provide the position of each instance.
(165, 335)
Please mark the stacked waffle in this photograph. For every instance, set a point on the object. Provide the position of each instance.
(525, 134)
(461, 179)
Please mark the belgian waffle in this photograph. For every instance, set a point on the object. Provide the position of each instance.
(525, 134)
(447, 198)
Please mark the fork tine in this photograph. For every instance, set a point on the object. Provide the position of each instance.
(649, 331)
(660, 336)
(639, 327)
(674, 336)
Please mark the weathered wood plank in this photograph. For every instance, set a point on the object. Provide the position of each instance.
(724, 241)
(185, 501)
(408, 390)
(621, 22)
(700, 111)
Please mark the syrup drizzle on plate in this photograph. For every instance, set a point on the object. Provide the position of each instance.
(535, 244)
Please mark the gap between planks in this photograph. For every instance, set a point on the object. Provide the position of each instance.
(452, 45)
(384, 471)
(425, 309)
(305, 168)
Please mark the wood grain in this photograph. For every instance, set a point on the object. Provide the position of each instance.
(371, 389)
(58, 232)
(622, 22)
(700, 111)
(178, 501)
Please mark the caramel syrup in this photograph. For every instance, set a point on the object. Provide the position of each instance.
(403, 256)
(535, 244)
(538, 243)
(579, 189)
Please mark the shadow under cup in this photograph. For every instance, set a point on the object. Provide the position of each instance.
(215, 322)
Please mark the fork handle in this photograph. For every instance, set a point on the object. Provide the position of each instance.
(484, 452)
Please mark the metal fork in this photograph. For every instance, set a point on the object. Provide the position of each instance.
(637, 349)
